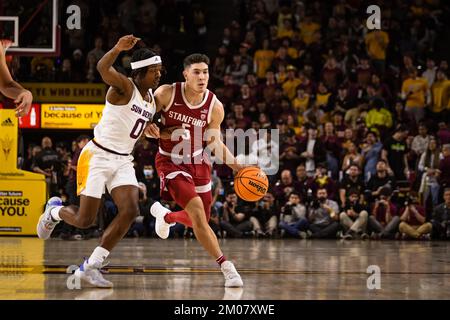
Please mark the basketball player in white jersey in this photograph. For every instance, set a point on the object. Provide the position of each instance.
(191, 106)
(10, 88)
(106, 161)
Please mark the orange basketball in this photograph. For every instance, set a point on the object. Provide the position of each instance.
(251, 184)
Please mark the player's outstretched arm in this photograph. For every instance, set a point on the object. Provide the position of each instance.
(214, 141)
(12, 89)
(163, 95)
(105, 65)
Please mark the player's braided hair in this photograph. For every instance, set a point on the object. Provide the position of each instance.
(141, 54)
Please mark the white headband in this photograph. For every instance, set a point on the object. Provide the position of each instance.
(146, 62)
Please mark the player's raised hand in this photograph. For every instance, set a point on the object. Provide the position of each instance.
(127, 42)
(4, 45)
(23, 103)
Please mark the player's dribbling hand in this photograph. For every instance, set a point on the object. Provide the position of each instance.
(23, 103)
(127, 42)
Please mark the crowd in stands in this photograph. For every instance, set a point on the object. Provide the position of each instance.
(363, 115)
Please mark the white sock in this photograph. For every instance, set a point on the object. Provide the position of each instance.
(55, 213)
(99, 255)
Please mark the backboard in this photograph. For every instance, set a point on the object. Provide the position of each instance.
(31, 25)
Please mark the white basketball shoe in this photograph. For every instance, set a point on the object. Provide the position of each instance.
(232, 277)
(46, 224)
(92, 275)
(162, 228)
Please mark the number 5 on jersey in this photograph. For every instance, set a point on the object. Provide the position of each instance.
(186, 134)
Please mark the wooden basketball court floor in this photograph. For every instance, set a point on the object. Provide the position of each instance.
(271, 269)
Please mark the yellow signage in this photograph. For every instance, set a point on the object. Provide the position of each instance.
(70, 116)
(21, 204)
(67, 92)
(8, 141)
(22, 193)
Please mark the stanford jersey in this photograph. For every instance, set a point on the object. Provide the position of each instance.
(193, 119)
(187, 179)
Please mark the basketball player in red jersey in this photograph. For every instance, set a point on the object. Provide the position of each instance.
(10, 88)
(191, 106)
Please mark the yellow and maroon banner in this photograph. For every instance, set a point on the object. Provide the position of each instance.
(67, 92)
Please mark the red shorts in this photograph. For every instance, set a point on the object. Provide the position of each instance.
(182, 182)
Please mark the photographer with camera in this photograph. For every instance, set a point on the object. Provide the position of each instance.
(384, 221)
(264, 217)
(441, 218)
(235, 217)
(412, 218)
(323, 216)
(354, 217)
(293, 219)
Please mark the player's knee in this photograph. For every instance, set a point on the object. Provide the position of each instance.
(129, 211)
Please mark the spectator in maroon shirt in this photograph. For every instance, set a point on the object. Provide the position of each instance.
(443, 133)
(245, 98)
(242, 121)
(253, 85)
(302, 180)
(230, 89)
(364, 72)
(381, 88)
(332, 147)
(145, 153)
(269, 87)
(307, 84)
(339, 125)
(331, 74)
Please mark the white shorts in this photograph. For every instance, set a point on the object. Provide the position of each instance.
(98, 168)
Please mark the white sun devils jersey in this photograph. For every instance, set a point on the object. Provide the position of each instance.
(121, 126)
